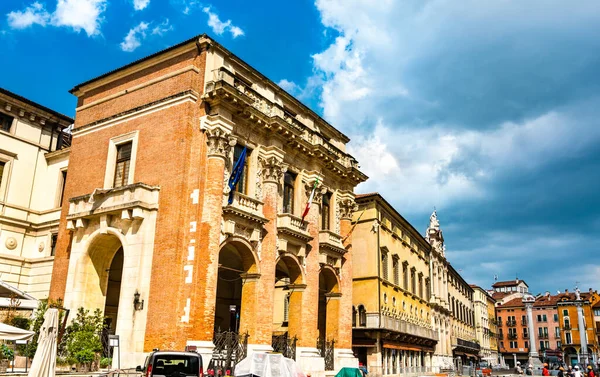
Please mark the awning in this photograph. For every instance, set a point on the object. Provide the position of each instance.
(405, 347)
(8, 332)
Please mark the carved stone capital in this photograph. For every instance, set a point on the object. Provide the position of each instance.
(219, 143)
(347, 207)
(272, 169)
(319, 192)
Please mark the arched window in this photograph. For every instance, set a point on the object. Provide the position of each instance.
(288, 192)
(362, 316)
(353, 316)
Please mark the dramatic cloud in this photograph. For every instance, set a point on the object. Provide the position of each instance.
(491, 115)
(133, 39)
(218, 26)
(34, 14)
(140, 4)
(76, 14)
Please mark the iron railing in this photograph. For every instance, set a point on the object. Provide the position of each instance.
(230, 348)
(326, 349)
(284, 345)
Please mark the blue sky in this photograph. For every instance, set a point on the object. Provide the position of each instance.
(486, 110)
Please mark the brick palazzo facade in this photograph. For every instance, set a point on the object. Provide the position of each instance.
(148, 235)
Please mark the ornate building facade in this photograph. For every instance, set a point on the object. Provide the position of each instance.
(485, 324)
(441, 318)
(153, 235)
(392, 326)
(34, 155)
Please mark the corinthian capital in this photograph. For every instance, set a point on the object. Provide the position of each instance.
(319, 192)
(346, 207)
(219, 143)
(272, 169)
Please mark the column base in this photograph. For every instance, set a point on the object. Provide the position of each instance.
(310, 361)
(252, 348)
(534, 360)
(204, 348)
(344, 357)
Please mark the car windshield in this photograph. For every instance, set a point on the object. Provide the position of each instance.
(178, 365)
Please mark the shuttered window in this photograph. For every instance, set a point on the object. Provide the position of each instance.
(123, 164)
(288, 192)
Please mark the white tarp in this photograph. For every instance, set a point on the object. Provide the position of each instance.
(267, 365)
(8, 332)
(44, 361)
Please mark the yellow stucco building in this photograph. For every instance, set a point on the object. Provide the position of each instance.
(392, 330)
(574, 314)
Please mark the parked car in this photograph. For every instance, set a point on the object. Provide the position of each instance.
(172, 364)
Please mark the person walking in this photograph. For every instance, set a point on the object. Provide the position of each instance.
(590, 372)
(570, 371)
(518, 369)
(561, 372)
(529, 370)
(576, 372)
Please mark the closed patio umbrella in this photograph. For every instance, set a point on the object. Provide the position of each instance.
(8, 332)
(44, 361)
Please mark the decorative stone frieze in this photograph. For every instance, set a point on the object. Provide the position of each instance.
(218, 136)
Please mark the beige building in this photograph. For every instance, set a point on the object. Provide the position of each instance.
(465, 348)
(485, 324)
(34, 155)
(392, 327)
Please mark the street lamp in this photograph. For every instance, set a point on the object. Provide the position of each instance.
(137, 304)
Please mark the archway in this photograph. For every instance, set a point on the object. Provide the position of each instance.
(236, 277)
(328, 304)
(111, 305)
(287, 304)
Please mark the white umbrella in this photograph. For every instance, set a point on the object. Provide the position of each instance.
(8, 332)
(44, 361)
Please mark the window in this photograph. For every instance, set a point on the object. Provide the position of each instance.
(557, 332)
(53, 239)
(539, 317)
(546, 345)
(325, 209)
(286, 308)
(384, 265)
(5, 122)
(526, 344)
(420, 285)
(544, 318)
(565, 312)
(568, 338)
(354, 316)
(396, 269)
(413, 281)
(288, 192)
(405, 275)
(558, 344)
(242, 185)
(556, 317)
(541, 345)
(362, 316)
(63, 181)
(2, 164)
(123, 164)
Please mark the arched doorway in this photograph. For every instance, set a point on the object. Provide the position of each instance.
(287, 305)
(328, 304)
(113, 293)
(237, 264)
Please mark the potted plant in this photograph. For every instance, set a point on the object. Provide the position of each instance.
(6, 354)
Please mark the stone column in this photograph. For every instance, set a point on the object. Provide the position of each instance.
(307, 355)
(582, 332)
(272, 169)
(200, 306)
(534, 358)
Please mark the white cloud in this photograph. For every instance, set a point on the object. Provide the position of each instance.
(133, 39)
(218, 26)
(34, 14)
(162, 28)
(77, 14)
(289, 86)
(80, 14)
(140, 4)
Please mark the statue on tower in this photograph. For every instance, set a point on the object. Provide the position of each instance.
(434, 235)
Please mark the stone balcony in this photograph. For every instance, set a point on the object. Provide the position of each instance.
(243, 217)
(130, 202)
(331, 241)
(292, 233)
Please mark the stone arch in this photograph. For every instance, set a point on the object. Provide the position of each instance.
(329, 303)
(292, 266)
(247, 255)
(329, 280)
(287, 297)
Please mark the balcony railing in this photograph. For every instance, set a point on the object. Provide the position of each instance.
(293, 225)
(512, 336)
(332, 241)
(127, 202)
(567, 327)
(511, 322)
(543, 336)
(467, 344)
(524, 322)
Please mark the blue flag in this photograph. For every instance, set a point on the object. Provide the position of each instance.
(236, 174)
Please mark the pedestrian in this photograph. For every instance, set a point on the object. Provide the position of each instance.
(545, 371)
(518, 369)
(363, 369)
(570, 371)
(561, 372)
(591, 371)
(576, 372)
(529, 370)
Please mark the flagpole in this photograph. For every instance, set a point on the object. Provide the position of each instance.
(353, 226)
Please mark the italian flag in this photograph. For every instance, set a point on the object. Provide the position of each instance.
(310, 199)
